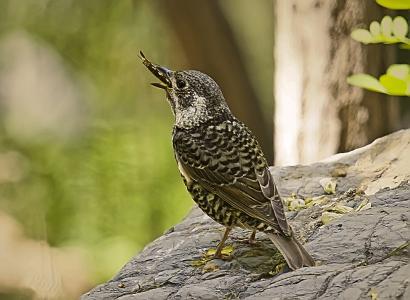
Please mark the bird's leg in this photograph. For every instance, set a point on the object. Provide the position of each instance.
(252, 240)
(218, 253)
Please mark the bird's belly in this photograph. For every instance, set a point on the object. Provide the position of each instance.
(213, 206)
(222, 212)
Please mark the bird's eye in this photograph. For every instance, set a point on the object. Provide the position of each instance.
(181, 83)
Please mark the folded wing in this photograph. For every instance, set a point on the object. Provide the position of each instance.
(227, 160)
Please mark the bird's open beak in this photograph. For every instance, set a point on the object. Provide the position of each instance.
(160, 72)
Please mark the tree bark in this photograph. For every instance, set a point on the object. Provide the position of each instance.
(209, 45)
(317, 113)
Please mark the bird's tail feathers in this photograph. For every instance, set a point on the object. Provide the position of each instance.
(294, 253)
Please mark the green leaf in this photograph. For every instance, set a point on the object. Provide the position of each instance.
(401, 71)
(400, 27)
(388, 31)
(387, 26)
(362, 35)
(395, 82)
(375, 28)
(394, 4)
(393, 85)
(366, 81)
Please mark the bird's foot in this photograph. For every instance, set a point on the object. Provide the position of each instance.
(251, 240)
(220, 253)
(222, 256)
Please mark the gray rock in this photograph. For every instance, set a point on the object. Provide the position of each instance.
(361, 254)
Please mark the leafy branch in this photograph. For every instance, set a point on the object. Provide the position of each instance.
(396, 81)
(388, 31)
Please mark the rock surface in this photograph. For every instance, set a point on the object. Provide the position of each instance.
(361, 248)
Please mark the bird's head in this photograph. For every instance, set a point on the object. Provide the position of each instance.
(194, 97)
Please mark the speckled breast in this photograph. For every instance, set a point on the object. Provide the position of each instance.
(222, 212)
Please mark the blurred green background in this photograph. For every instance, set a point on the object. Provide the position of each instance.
(86, 161)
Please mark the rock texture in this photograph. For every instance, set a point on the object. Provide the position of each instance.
(358, 233)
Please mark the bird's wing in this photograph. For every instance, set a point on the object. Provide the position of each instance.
(227, 160)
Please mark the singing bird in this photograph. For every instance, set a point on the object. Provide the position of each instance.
(222, 164)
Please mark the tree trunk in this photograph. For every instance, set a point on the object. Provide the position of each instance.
(209, 45)
(317, 113)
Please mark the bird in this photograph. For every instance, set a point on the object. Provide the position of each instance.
(222, 164)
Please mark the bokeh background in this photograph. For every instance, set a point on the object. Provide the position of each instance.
(87, 174)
